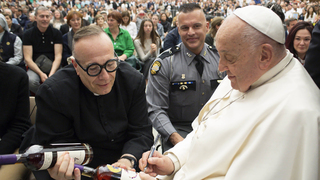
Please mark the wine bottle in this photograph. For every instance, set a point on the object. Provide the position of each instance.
(108, 172)
(38, 157)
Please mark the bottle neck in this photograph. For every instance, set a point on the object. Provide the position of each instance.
(86, 171)
(9, 159)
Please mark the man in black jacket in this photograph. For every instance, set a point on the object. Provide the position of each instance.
(312, 57)
(14, 116)
(98, 100)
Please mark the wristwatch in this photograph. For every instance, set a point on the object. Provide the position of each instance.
(132, 160)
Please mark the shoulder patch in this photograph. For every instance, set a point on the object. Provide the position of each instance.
(155, 67)
(170, 52)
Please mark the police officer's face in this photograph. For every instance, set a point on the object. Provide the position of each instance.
(99, 52)
(192, 29)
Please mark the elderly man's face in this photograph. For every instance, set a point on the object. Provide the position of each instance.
(236, 58)
(192, 29)
(99, 52)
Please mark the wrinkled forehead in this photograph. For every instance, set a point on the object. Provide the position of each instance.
(230, 28)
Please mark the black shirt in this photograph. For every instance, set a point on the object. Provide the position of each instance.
(42, 43)
(113, 124)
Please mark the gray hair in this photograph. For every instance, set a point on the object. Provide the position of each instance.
(86, 32)
(41, 8)
(255, 38)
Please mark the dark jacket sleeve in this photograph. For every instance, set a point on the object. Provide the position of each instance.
(66, 50)
(170, 40)
(140, 137)
(312, 58)
(15, 108)
(209, 40)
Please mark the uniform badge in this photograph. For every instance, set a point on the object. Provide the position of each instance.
(183, 76)
(155, 67)
(8, 43)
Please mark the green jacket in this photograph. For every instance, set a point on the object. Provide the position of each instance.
(123, 43)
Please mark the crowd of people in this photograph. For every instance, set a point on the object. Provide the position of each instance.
(220, 81)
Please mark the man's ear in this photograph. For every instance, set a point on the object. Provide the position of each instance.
(75, 65)
(266, 56)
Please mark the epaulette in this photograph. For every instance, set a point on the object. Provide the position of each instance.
(170, 52)
(213, 48)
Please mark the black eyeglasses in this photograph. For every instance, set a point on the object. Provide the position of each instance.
(95, 69)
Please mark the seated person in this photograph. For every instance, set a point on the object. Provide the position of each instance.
(42, 39)
(14, 116)
(262, 122)
(147, 44)
(11, 44)
(13, 28)
(172, 39)
(108, 111)
(121, 39)
(74, 21)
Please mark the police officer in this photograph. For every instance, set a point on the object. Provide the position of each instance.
(183, 78)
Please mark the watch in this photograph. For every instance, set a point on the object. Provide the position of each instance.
(132, 160)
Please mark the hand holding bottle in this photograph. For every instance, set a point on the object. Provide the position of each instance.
(64, 169)
(158, 164)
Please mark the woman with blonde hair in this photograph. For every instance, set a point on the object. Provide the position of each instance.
(100, 21)
(215, 25)
(58, 19)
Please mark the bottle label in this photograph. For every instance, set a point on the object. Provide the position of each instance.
(129, 175)
(47, 160)
(78, 156)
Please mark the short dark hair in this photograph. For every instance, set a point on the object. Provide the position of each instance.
(186, 8)
(86, 32)
(288, 21)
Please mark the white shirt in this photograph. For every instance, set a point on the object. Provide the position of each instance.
(268, 132)
(131, 28)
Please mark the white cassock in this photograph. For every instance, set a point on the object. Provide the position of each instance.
(270, 132)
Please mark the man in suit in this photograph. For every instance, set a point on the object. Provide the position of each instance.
(22, 18)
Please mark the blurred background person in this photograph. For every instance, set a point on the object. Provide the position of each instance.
(13, 28)
(147, 45)
(165, 23)
(126, 24)
(310, 15)
(215, 24)
(74, 20)
(299, 39)
(57, 21)
(157, 26)
(100, 21)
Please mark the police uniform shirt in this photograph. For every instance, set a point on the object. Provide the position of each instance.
(175, 91)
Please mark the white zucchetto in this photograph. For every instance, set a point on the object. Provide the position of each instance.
(264, 20)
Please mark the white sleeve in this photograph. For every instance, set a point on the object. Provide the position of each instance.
(16, 59)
